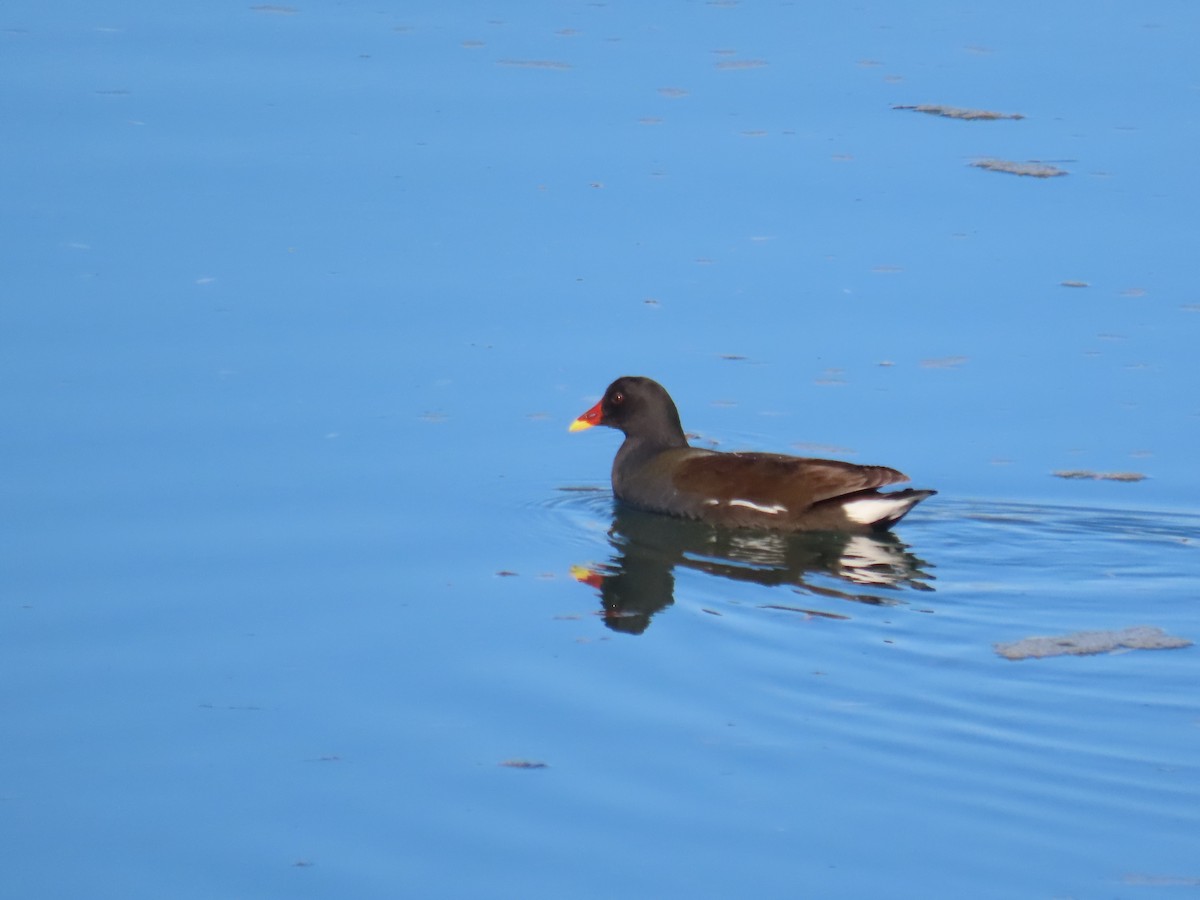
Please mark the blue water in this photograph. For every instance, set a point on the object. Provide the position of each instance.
(298, 302)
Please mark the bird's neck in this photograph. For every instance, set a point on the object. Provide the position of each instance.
(637, 449)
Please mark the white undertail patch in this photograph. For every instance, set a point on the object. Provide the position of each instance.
(870, 510)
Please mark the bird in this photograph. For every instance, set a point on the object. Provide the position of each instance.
(657, 470)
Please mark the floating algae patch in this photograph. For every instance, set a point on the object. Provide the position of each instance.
(809, 613)
(733, 64)
(1088, 643)
(554, 64)
(957, 112)
(1030, 169)
(1088, 474)
(944, 362)
(523, 764)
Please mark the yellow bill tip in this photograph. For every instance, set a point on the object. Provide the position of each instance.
(589, 418)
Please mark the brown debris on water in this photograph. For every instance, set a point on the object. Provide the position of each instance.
(735, 64)
(1089, 643)
(1029, 169)
(957, 112)
(1161, 880)
(831, 376)
(944, 362)
(808, 613)
(552, 64)
(523, 764)
(1089, 475)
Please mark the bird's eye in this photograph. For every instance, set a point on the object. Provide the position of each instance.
(618, 398)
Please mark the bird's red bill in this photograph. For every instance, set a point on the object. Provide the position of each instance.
(588, 419)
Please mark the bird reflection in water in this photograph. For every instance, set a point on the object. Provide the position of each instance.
(639, 579)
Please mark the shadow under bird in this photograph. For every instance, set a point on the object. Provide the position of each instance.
(658, 471)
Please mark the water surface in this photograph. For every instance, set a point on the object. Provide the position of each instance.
(298, 304)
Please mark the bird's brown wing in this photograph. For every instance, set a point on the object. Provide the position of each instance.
(797, 483)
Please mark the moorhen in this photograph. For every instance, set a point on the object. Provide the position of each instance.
(656, 470)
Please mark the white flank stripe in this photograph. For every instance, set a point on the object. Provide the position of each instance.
(876, 509)
(770, 510)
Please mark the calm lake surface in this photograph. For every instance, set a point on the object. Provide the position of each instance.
(305, 590)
